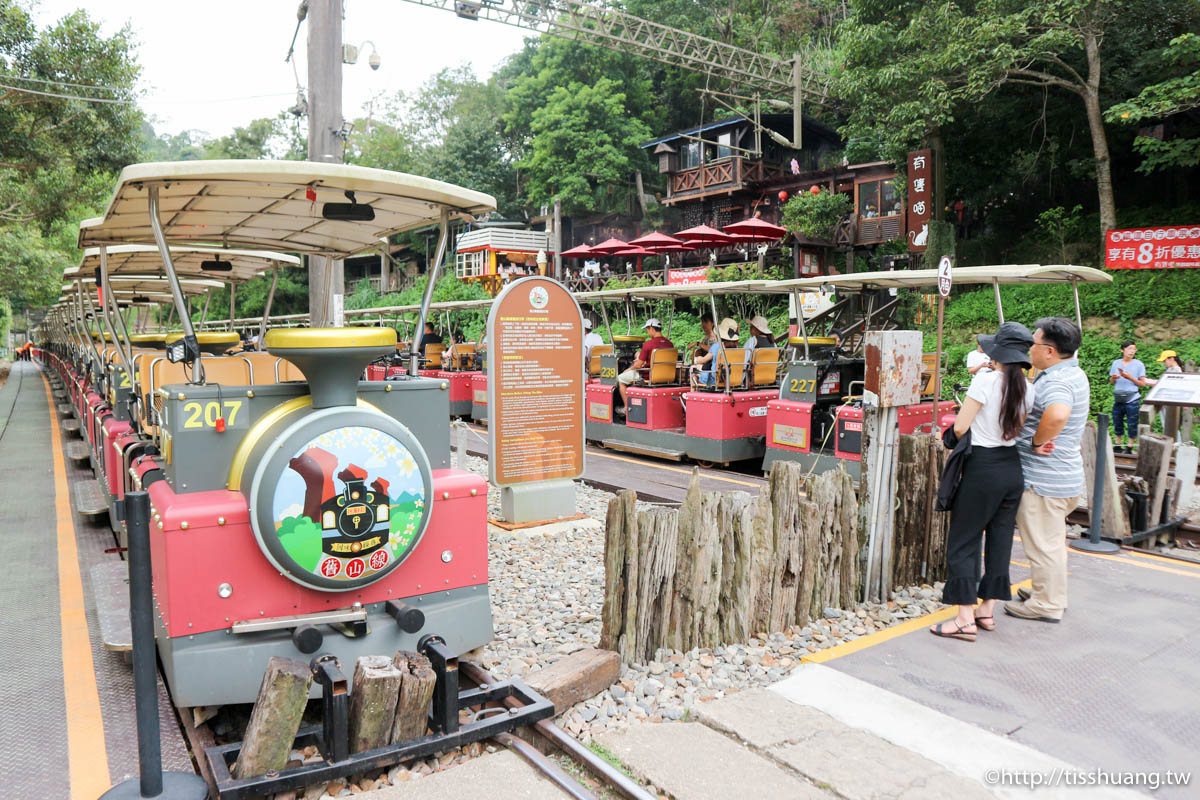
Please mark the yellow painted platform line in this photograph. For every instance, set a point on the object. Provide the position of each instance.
(86, 753)
(1190, 573)
(1178, 562)
(878, 637)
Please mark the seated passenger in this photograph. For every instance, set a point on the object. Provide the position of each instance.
(709, 338)
(760, 333)
(590, 339)
(655, 341)
(704, 368)
(430, 337)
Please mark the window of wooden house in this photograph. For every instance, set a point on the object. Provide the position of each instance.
(878, 199)
(689, 155)
(724, 141)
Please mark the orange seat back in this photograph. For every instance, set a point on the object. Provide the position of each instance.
(664, 366)
(731, 368)
(461, 355)
(764, 370)
(433, 355)
(594, 358)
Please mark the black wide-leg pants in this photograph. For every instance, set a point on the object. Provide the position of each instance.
(986, 501)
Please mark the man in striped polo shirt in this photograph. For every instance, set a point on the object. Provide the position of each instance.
(1053, 466)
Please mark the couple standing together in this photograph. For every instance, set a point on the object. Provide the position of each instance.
(1017, 458)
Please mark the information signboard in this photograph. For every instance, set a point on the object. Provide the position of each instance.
(535, 384)
(1170, 247)
(920, 199)
(1176, 389)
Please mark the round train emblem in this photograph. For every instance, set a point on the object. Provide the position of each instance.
(350, 505)
(539, 297)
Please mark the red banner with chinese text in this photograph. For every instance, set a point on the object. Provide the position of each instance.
(1173, 247)
(687, 277)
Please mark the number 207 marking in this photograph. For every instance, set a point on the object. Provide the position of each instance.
(200, 415)
(803, 385)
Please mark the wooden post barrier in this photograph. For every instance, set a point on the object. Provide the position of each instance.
(373, 700)
(725, 566)
(275, 717)
(915, 518)
(416, 692)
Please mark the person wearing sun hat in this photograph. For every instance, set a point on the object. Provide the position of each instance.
(984, 506)
(760, 333)
(703, 369)
(654, 341)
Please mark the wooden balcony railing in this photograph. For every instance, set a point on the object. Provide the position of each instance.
(726, 174)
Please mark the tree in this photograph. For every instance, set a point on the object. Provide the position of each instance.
(583, 144)
(58, 153)
(269, 137)
(911, 68)
(1175, 98)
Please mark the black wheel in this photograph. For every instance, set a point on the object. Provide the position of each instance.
(705, 464)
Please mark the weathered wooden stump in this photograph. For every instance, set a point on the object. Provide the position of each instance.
(914, 522)
(416, 692)
(275, 717)
(373, 700)
(1154, 464)
(725, 565)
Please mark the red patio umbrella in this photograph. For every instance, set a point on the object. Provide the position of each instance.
(756, 230)
(609, 247)
(656, 241)
(635, 251)
(577, 252)
(704, 235)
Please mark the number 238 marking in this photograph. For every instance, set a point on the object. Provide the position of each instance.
(200, 415)
(803, 385)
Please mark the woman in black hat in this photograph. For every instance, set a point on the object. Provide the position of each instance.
(990, 490)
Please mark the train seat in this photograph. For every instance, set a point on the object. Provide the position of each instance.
(664, 366)
(731, 368)
(764, 367)
(594, 358)
(433, 355)
(461, 355)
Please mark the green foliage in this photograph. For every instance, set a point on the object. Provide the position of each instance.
(57, 155)
(815, 215)
(583, 145)
(1168, 98)
(1059, 226)
(6, 318)
(609, 756)
(448, 288)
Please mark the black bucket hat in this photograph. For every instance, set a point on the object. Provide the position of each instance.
(1008, 345)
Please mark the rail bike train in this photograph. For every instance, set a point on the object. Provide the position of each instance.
(296, 508)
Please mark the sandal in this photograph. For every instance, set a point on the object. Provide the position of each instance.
(959, 633)
(986, 623)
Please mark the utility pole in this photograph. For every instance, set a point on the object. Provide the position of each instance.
(326, 277)
(558, 271)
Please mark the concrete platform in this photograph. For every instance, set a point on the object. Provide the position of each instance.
(69, 729)
(499, 776)
(1112, 687)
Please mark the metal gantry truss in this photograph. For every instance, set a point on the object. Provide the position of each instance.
(610, 28)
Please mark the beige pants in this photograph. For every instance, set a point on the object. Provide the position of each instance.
(1042, 522)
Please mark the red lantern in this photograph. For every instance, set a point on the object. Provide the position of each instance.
(815, 189)
(783, 196)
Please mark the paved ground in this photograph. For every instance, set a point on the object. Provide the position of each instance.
(49, 624)
(1112, 687)
(500, 776)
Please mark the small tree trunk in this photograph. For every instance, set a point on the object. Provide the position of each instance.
(1091, 101)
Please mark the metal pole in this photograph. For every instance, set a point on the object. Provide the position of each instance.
(262, 326)
(326, 281)
(232, 302)
(204, 312)
(1078, 315)
(431, 272)
(145, 666)
(1094, 544)
(172, 278)
(999, 303)
(800, 319)
(797, 98)
(558, 275)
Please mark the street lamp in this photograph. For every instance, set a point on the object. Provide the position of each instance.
(350, 54)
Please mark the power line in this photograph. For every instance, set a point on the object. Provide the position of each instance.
(67, 96)
(63, 83)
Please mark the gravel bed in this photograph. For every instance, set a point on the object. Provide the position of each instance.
(547, 594)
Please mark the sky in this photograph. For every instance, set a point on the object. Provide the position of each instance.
(212, 65)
